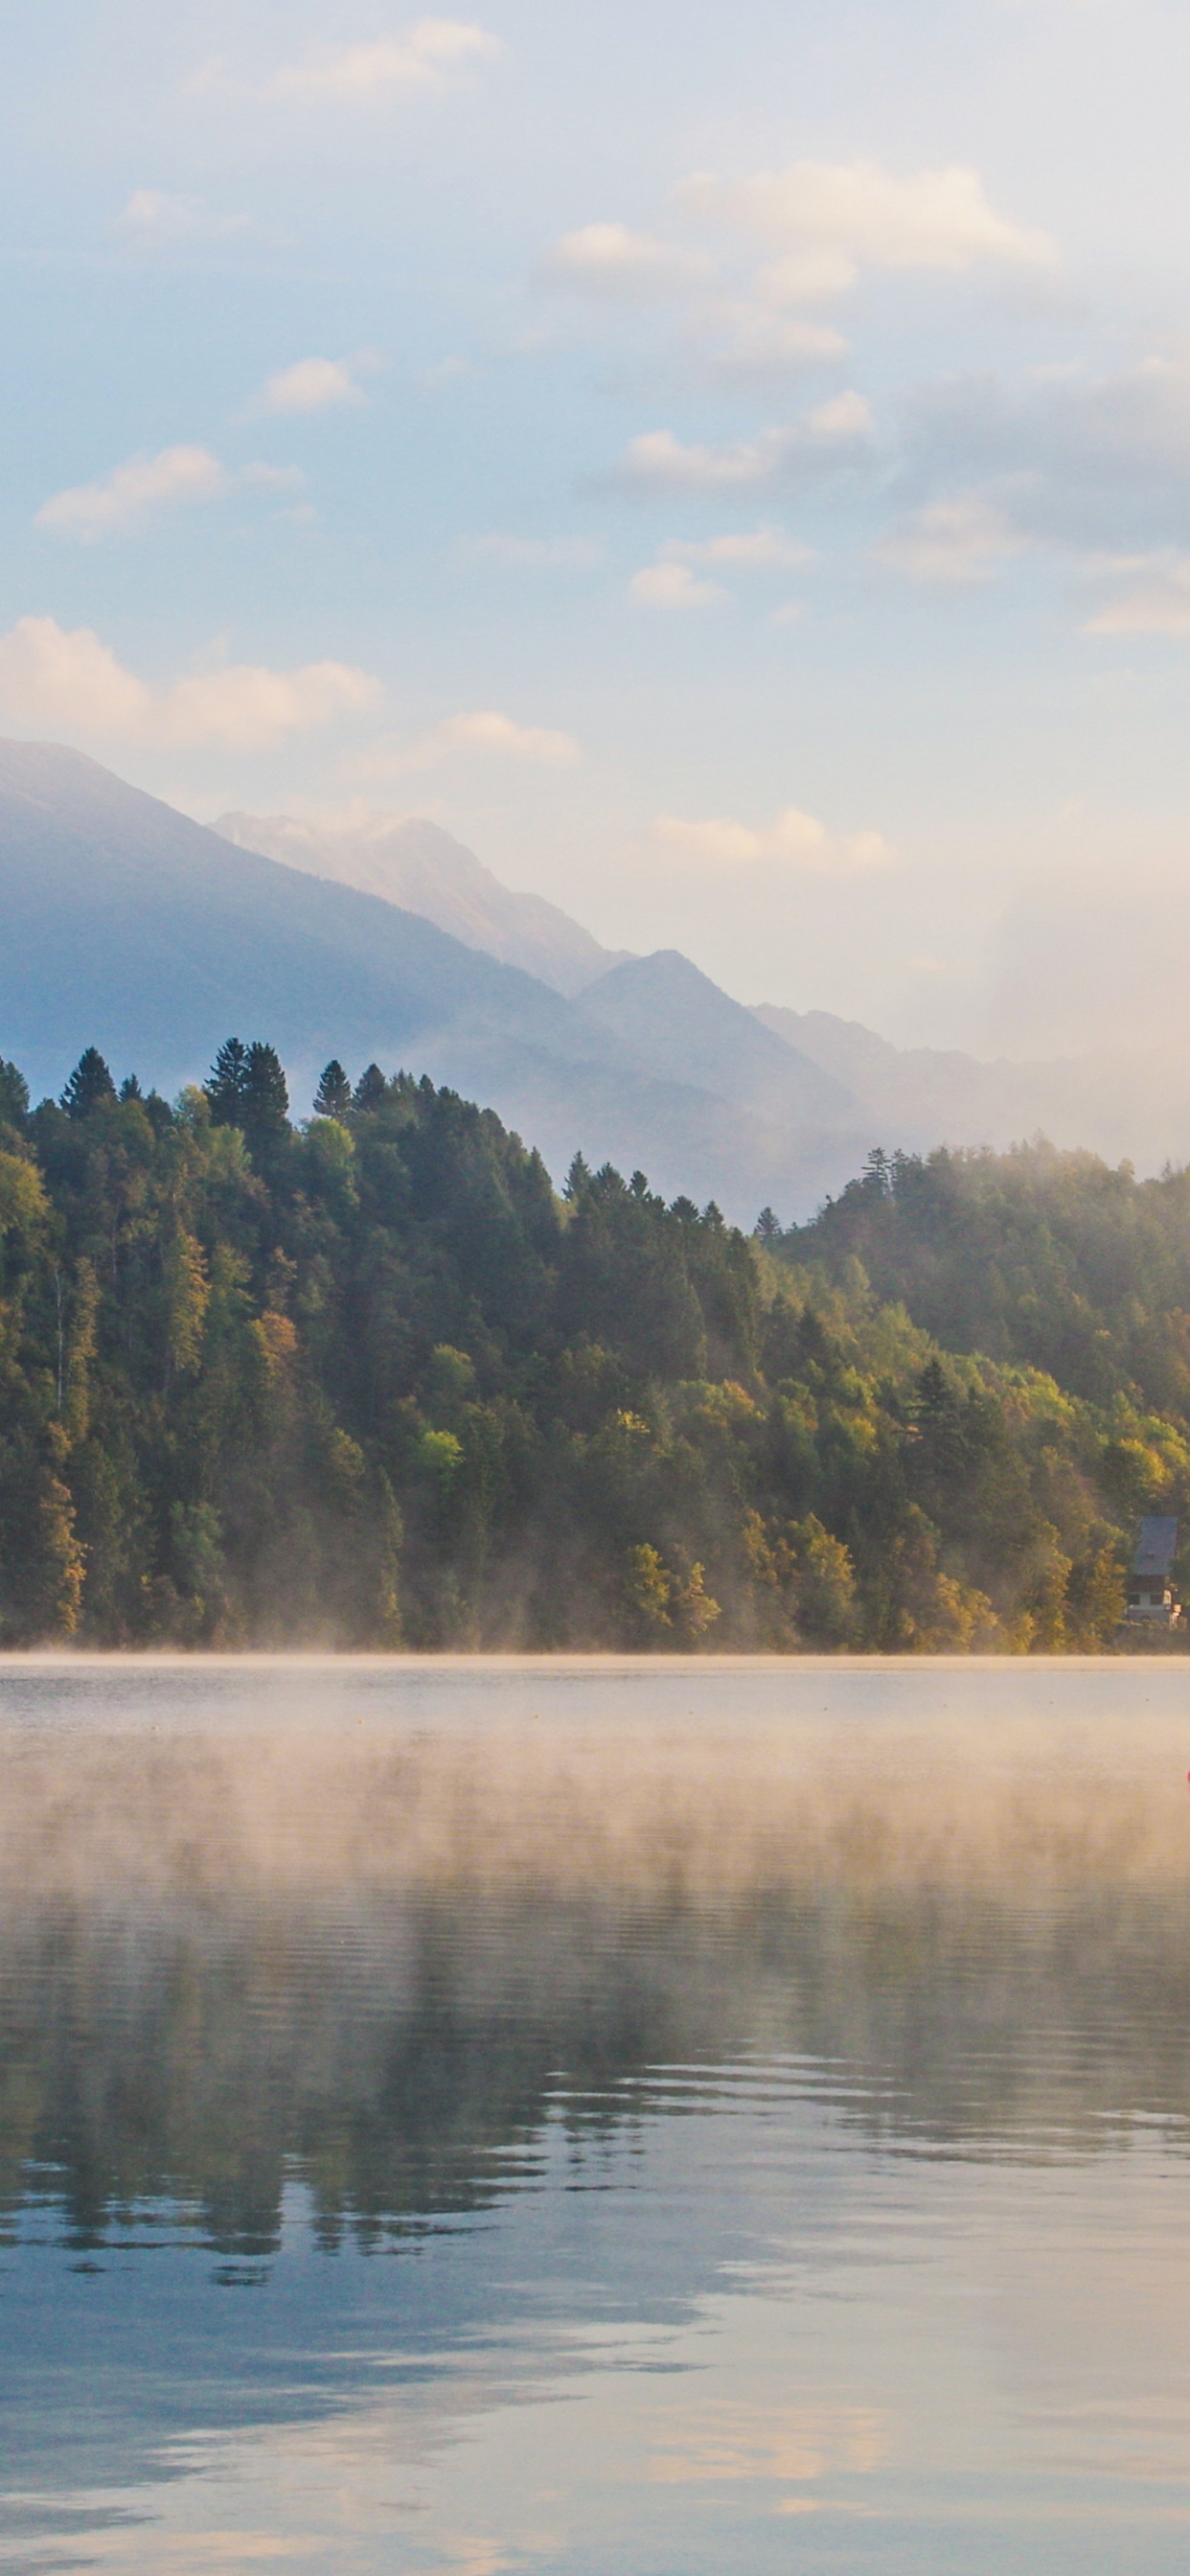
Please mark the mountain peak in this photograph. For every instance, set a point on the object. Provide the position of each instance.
(682, 1026)
(416, 864)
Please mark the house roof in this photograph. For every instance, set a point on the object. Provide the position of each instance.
(1156, 1545)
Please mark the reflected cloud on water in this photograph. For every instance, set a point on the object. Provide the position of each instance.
(526, 2116)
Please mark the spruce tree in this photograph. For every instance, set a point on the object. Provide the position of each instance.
(333, 1096)
(266, 1097)
(14, 1095)
(90, 1083)
(226, 1084)
(370, 1089)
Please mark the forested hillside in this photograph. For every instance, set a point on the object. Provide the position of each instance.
(372, 1383)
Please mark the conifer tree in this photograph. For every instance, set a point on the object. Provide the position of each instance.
(227, 1083)
(265, 1117)
(14, 1095)
(89, 1084)
(370, 1089)
(333, 1096)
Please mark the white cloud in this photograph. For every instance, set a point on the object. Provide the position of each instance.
(153, 219)
(837, 433)
(673, 585)
(829, 220)
(313, 384)
(1155, 599)
(951, 543)
(175, 479)
(749, 549)
(71, 683)
(531, 554)
(672, 581)
(610, 260)
(750, 341)
(1088, 461)
(795, 841)
(486, 731)
(420, 57)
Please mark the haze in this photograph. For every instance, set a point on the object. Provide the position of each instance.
(731, 468)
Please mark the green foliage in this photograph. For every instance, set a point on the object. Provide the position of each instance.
(333, 1096)
(372, 1382)
(14, 1096)
(227, 1083)
(90, 1085)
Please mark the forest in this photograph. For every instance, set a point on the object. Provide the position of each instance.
(367, 1381)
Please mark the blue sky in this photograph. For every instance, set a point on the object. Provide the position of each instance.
(732, 466)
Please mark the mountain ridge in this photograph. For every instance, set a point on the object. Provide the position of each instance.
(131, 927)
(423, 869)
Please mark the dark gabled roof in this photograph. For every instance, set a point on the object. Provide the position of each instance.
(1156, 1546)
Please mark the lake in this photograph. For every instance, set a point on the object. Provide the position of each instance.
(494, 2116)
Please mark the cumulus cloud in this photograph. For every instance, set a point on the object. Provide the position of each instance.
(420, 57)
(794, 841)
(749, 549)
(154, 219)
(1154, 598)
(837, 433)
(70, 682)
(951, 543)
(176, 478)
(750, 341)
(673, 581)
(486, 731)
(827, 221)
(673, 585)
(313, 384)
(610, 260)
(819, 226)
(1100, 462)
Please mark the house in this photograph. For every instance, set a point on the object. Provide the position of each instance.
(1150, 1598)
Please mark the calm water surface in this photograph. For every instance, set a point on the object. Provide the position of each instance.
(640, 2118)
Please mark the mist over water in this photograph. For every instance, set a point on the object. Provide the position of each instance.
(535, 2115)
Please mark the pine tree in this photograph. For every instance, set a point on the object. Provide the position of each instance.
(333, 1096)
(130, 1088)
(226, 1084)
(266, 1096)
(247, 1089)
(89, 1084)
(370, 1089)
(14, 1095)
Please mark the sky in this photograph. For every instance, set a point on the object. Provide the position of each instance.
(731, 466)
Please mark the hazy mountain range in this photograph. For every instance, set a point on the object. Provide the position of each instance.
(420, 867)
(126, 925)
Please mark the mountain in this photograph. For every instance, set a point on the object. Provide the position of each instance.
(424, 870)
(129, 927)
(1134, 1105)
(677, 1024)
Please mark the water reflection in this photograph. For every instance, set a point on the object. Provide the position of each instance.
(649, 2117)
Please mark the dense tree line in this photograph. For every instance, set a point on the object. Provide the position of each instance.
(371, 1382)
